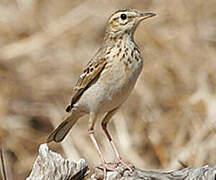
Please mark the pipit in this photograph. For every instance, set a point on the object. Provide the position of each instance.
(107, 80)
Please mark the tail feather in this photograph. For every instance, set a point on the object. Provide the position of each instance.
(62, 130)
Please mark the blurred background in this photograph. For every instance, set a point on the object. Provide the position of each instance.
(169, 120)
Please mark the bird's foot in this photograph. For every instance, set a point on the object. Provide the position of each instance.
(107, 167)
(119, 165)
(125, 164)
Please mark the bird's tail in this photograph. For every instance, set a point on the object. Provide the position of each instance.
(62, 130)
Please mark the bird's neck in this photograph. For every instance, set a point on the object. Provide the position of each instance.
(112, 38)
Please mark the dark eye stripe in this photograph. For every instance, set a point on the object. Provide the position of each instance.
(130, 17)
(115, 18)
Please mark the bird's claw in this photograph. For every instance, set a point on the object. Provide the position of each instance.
(115, 167)
(125, 164)
(107, 167)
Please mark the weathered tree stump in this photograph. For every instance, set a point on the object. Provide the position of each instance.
(202, 173)
(51, 166)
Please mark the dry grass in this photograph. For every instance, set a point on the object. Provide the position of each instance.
(170, 116)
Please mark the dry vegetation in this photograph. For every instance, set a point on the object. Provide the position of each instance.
(169, 119)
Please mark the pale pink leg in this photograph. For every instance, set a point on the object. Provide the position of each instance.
(92, 137)
(104, 126)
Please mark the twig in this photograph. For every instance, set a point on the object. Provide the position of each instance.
(3, 166)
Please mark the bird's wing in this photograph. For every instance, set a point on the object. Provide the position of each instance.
(89, 75)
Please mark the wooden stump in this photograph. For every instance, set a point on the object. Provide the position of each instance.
(51, 166)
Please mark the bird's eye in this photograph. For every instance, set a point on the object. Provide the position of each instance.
(123, 16)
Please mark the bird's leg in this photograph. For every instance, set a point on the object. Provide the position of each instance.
(104, 126)
(92, 137)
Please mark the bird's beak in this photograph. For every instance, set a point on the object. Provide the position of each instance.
(146, 15)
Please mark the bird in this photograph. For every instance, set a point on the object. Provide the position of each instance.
(107, 80)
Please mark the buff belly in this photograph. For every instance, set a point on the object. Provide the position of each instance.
(110, 90)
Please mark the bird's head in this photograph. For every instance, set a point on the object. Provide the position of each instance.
(125, 21)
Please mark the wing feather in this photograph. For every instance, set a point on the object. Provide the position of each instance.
(89, 75)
